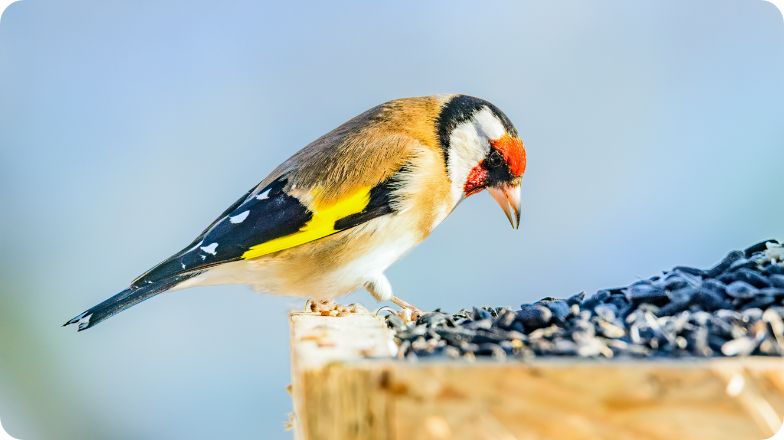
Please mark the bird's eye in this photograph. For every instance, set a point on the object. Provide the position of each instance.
(494, 160)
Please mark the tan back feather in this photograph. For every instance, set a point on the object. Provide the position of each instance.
(363, 151)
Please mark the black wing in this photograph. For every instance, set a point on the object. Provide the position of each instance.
(252, 219)
(256, 219)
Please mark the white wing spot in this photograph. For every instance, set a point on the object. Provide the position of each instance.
(85, 320)
(210, 249)
(239, 218)
(183, 265)
(264, 195)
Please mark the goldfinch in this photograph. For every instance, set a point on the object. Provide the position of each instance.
(334, 216)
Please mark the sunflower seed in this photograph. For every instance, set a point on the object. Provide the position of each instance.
(735, 308)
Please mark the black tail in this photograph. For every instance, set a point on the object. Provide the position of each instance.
(127, 298)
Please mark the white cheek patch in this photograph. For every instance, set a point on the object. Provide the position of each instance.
(469, 144)
(488, 124)
(466, 150)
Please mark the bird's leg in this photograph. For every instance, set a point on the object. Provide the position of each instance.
(381, 289)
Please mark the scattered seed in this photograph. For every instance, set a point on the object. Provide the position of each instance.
(742, 346)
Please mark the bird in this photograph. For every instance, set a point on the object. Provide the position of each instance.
(335, 215)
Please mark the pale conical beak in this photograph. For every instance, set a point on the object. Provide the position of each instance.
(508, 198)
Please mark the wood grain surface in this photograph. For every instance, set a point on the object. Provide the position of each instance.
(347, 385)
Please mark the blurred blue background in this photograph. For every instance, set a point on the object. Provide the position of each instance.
(654, 135)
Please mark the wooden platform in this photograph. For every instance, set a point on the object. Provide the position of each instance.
(346, 385)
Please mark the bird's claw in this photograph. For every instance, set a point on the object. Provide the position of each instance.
(408, 312)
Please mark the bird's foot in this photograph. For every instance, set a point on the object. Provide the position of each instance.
(328, 307)
(408, 312)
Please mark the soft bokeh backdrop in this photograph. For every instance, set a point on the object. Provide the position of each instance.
(654, 135)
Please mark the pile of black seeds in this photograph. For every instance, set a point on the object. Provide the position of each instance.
(733, 309)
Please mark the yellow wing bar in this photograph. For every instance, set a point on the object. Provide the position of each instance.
(320, 225)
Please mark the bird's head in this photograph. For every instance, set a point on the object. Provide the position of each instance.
(482, 151)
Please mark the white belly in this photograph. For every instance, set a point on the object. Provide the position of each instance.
(325, 268)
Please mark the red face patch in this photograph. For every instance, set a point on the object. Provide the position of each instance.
(476, 180)
(513, 151)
